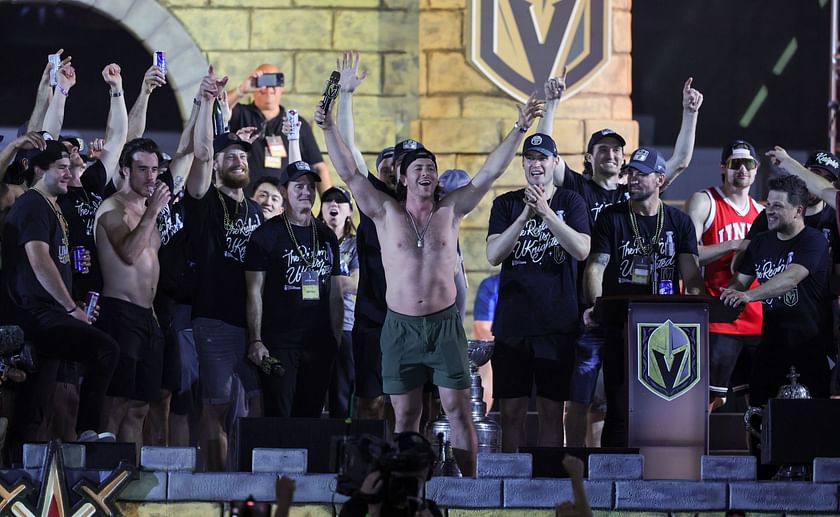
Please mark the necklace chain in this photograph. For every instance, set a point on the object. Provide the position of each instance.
(65, 227)
(228, 224)
(646, 248)
(315, 247)
(420, 235)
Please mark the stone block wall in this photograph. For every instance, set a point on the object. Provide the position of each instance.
(420, 82)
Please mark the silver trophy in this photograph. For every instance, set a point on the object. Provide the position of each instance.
(488, 431)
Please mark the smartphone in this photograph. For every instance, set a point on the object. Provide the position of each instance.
(55, 59)
(269, 80)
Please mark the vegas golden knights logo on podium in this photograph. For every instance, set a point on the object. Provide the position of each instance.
(669, 358)
(519, 44)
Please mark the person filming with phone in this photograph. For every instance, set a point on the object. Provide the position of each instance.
(270, 152)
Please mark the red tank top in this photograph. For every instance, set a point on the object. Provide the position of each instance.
(725, 223)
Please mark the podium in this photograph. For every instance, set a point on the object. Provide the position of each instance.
(666, 377)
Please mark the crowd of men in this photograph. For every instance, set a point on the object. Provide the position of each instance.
(167, 296)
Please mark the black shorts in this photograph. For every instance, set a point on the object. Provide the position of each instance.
(731, 358)
(519, 364)
(367, 358)
(139, 372)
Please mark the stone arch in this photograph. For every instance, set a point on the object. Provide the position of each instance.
(158, 29)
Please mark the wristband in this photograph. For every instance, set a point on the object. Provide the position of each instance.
(73, 309)
(521, 128)
(61, 89)
(254, 341)
(116, 94)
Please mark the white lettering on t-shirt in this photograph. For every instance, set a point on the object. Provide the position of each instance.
(295, 266)
(768, 268)
(236, 240)
(534, 240)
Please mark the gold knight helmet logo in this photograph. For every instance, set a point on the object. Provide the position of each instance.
(669, 358)
(520, 44)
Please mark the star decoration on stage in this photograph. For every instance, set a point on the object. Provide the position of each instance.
(54, 500)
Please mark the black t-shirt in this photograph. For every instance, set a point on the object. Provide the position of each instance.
(825, 221)
(370, 295)
(804, 312)
(272, 250)
(218, 249)
(614, 236)
(79, 207)
(173, 254)
(32, 219)
(597, 198)
(248, 115)
(538, 285)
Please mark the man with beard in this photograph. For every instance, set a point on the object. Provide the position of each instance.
(292, 268)
(790, 261)
(128, 241)
(722, 216)
(423, 336)
(601, 186)
(634, 243)
(538, 234)
(37, 277)
(220, 221)
(269, 154)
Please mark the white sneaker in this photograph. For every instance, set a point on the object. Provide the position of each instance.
(92, 436)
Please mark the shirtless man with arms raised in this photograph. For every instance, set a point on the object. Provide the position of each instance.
(418, 237)
(128, 241)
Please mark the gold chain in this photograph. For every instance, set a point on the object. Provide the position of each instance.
(315, 247)
(227, 222)
(65, 228)
(646, 249)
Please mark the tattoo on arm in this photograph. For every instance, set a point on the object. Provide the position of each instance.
(600, 258)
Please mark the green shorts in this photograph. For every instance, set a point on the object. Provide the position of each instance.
(416, 349)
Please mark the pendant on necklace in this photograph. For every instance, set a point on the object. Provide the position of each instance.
(420, 243)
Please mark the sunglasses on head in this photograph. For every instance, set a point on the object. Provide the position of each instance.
(736, 163)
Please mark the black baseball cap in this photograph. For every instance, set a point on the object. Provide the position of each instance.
(296, 170)
(540, 143)
(225, 140)
(646, 160)
(601, 134)
(76, 141)
(416, 155)
(826, 161)
(738, 149)
(337, 194)
(405, 147)
(52, 152)
(384, 154)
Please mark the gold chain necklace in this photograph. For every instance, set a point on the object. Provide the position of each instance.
(420, 235)
(315, 247)
(227, 222)
(646, 249)
(65, 228)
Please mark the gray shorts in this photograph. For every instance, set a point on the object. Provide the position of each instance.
(222, 355)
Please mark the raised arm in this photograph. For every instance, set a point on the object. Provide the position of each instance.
(370, 201)
(241, 91)
(816, 184)
(54, 118)
(153, 78)
(348, 66)
(181, 163)
(466, 198)
(684, 147)
(698, 208)
(294, 140)
(42, 97)
(201, 172)
(117, 129)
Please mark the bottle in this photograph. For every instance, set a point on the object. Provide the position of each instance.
(670, 248)
(219, 126)
(445, 465)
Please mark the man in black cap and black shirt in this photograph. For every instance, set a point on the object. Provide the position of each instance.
(292, 269)
(220, 221)
(636, 246)
(37, 278)
(538, 234)
(791, 263)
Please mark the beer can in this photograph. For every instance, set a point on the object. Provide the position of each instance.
(55, 61)
(666, 287)
(160, 60)
(78, 255)
(91, 300)
(293, 122)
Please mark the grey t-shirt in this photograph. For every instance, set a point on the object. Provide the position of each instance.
(349, 259)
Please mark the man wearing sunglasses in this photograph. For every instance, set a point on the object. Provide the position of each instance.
(722, 217)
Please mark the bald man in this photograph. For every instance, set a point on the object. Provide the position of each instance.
(270, 151)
